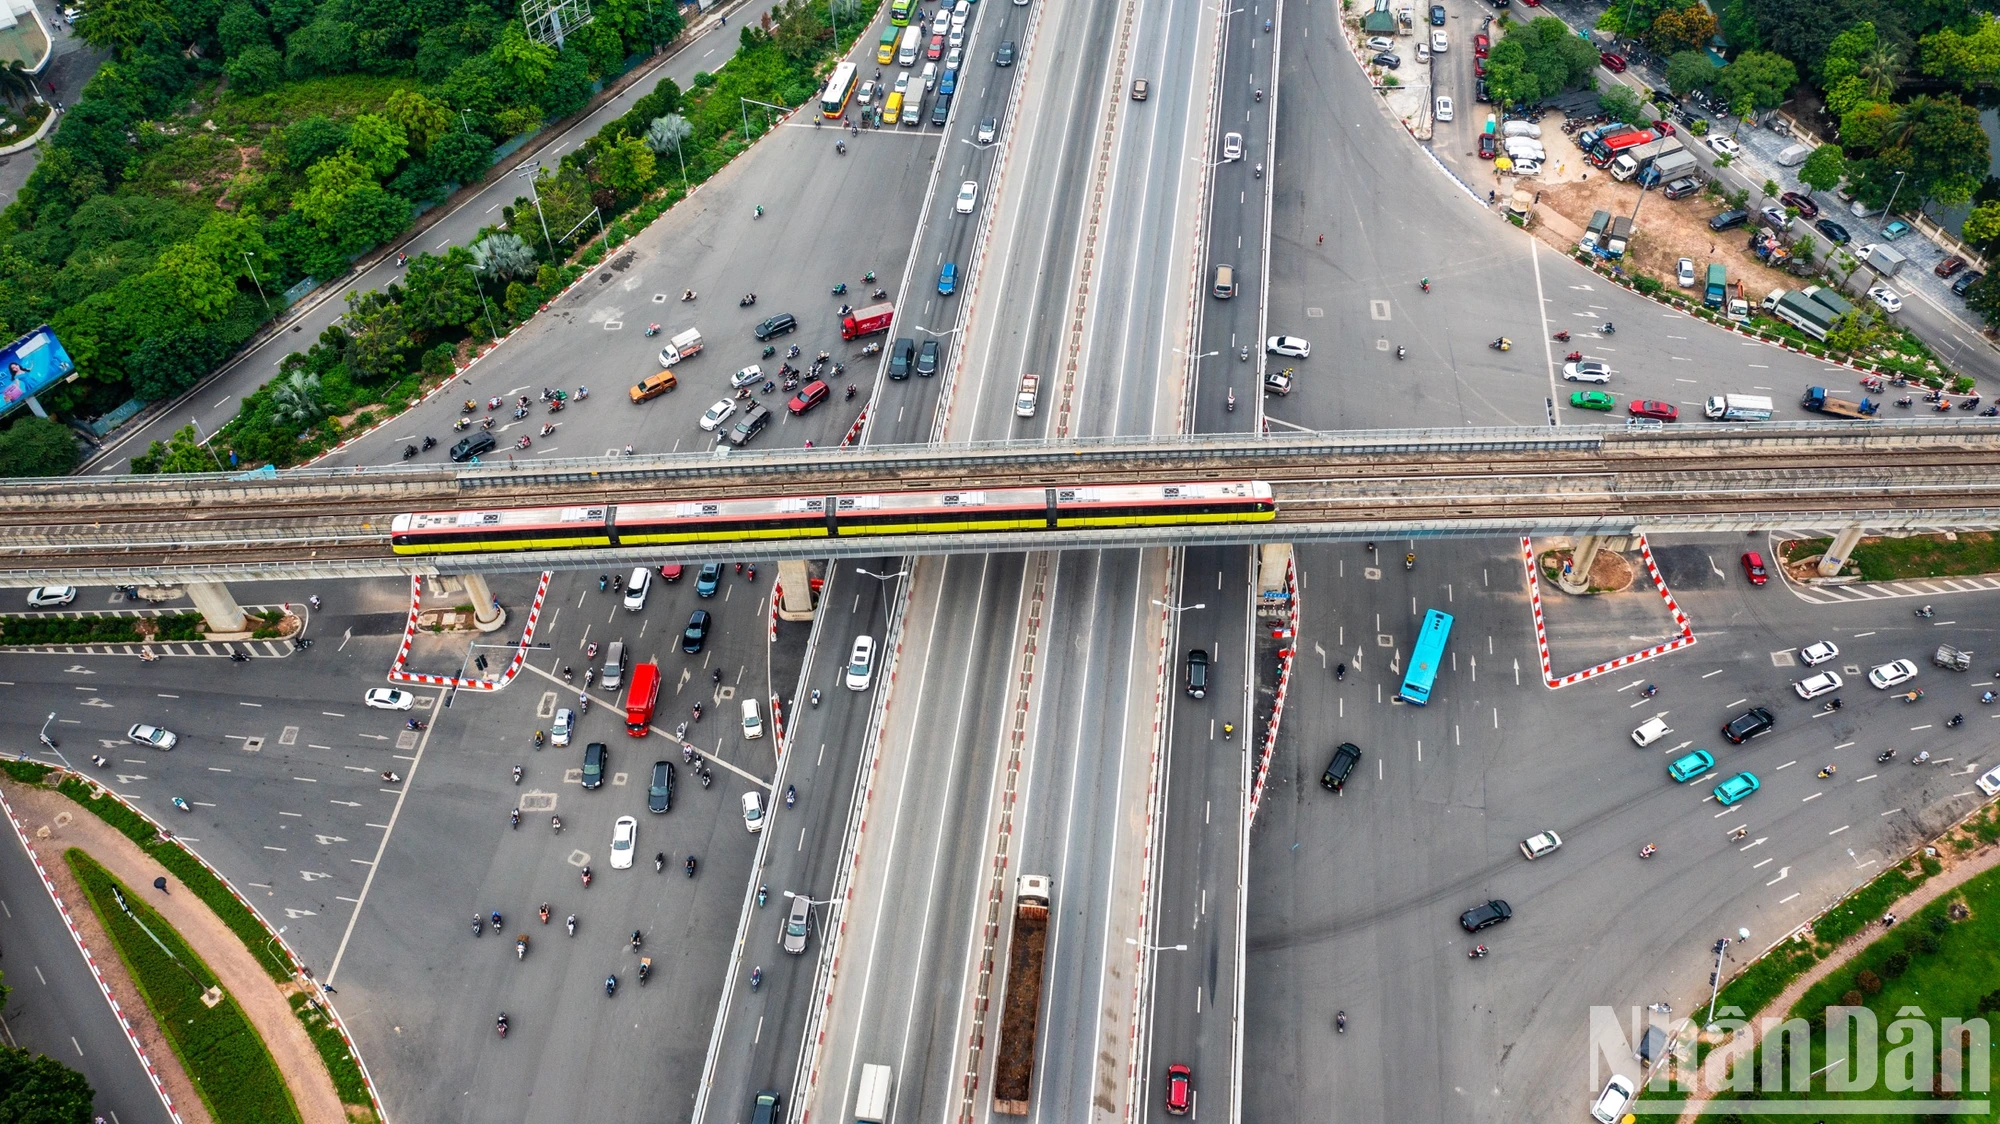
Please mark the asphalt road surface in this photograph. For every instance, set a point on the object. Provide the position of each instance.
(55, 1007)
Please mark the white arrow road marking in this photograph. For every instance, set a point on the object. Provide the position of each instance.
(1782, 872)
(313, 875)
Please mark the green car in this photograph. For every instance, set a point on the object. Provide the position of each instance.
(1735, 788)
(1688, 768)
(1591, 400)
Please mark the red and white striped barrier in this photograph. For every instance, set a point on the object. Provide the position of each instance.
(1285, 657)
(1549, 677)
(398, 675)
(117, 1012)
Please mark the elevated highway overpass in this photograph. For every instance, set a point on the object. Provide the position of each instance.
(335, 522)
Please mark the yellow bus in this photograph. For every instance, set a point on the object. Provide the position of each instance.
(839, 88)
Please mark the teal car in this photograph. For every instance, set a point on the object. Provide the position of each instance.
(1688, 768)
(948, 279)
(1736, 788)
(1895, 230)
(1591, 400)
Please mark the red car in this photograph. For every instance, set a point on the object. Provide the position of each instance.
(1753, 567)
(1645, 408)
(936, 50)
(671, 572)
(809, 395)
(1806, 206)
(1180, 1088)
(1480, 45)
(1612, 63)
(1949, 266)
(1488, 147)
(1478, 67)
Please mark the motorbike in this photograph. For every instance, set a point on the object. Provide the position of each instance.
(840, 290)
(1648, 851)
(696, 711)
(1502, 344)
(1257, 170)
(762, 894)
(1409, 561)
(636, 940)
(756, 978)
(182, 804)
(791, 795)
(515, 817)
(880, 294)
(478, 924)
(1921, 757)
(1942, 407)
(585, 874)
(390, 776)
(792, 352)
(238, 657)
(1924, 612)
(487, 423)
(1258, 95)
(548, 428)
(1562, 336)
(500, 1025)
(470, 407)
(105, 763)
(1873, 383)
(687, 294)
(652, 330)
(555, 824)
(1990, 412)
(545, 913)
(409, 451)
(1956, 720)
(517, 774)
(850, 392)
(1828, 771)
(493, 403)
(645, 968)
(611, 985)
(1339, 673)
(748, 300)
(840, 146)
(1913, 696)
(1399, 351)
(1243, 353)
(520, 412)
(1340, 1022)
(570, 924)
(815, 696)
(1573, 357)
(769, 351)
(521, 947)
(690, 866)
(1607, 329)
(1904, 401)
(413, 724)
(461, 425)
(1478, 952)
(299, 644)
(1230, 402)
(1971, 403)
(430, 443)
(707, 778)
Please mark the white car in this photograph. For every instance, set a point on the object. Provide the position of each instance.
(866, 94)
(1611, 1103)
(903, 83)
(1813, 686)
(957, 37)
(1989, 781)
(1423, 52)
(753, 812)
(717, 414)
(1813, 655)
(1444, 105)
(1650, 731)
(1684, 273)
(968, 194)
(1886, 297)
(1892, 673)
(861, 664)
(1725, 146)
(636, 587)
(47, 596)
(1535, 846)
(1528, 167)
(152, 737)
(989, 131)
(748, 376)
(1438, 41)
(624, 838)
(1289, 345)
(565, 727)
(1232, 146)
(753, 722)
(953, 57)
(386, 698)
(1586, 370)
(1381, 43)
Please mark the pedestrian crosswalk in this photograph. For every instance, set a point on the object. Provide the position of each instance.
(255, 649)
(1883, 591)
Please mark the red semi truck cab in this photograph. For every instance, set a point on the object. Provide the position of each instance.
(1607, 148)
(640, 697)
(867, 320)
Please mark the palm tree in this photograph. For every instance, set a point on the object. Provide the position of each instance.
(16, 81)
(502, 255)
(668, 132)
(297, 398)
(1881, 69)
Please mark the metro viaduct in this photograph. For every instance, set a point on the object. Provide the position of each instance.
(206, 530)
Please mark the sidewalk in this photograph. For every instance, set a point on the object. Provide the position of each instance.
(264, 1002)
(1954, 874)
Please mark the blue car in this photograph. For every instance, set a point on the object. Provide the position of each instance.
(1736, 788)
(948, 83)
(710, 578)
(1685, 769)
(948, 279)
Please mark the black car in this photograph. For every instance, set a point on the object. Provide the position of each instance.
(767, 1108)
(1437, 15)
(1388, 59)
(753, 423)
(778, 325)
(1481, 93)
(1748, 725)
(1729, 220)
(902, 356)
(696, 633)
(595, 761)
(1965, 281)
(1835, 232)
(1005, 55)
(1485, 916)
(1344, 760)
(942, 110)
(469, 447)
(660, 793)
(927, 359)
(1197, 674)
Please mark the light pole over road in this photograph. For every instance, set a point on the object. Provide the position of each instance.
(1177, 609)
(528, 172)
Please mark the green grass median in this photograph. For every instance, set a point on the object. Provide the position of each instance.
(1962, 555)
(231, 1068)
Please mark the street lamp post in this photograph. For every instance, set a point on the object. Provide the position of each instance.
(274, 937)
(44, 735)
(1179, 608)
(529, 172)
(1890, 210)
(204, 441)
(255, 280)
(493, 331)
(1152, 948)
(883, 581)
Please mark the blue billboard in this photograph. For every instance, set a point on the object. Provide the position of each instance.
(31, 365)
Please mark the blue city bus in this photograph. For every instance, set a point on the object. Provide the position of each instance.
(1424, 659)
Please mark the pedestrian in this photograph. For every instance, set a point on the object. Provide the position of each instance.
(1538, 198)
(1322, 239)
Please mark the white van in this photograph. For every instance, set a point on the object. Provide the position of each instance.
(753, 723)
(913, 40)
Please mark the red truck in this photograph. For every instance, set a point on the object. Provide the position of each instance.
(640, 697)
(1607, 148)
(867, 320)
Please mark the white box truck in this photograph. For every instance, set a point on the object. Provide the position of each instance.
(1739, 407)
(871, 1104)
(681, 347)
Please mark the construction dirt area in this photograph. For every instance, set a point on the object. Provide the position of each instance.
(1568, 190)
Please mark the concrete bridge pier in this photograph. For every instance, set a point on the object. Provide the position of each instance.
(1839, 551)
(1576, 579)
(487, 615)
(218, 606)
(795, 583)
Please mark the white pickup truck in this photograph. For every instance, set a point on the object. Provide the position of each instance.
(1031, 390)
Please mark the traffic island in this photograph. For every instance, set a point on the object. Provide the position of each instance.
(1609, 571)
(1950, 554)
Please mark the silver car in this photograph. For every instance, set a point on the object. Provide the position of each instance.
(798, 924)
(565, 727)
